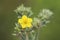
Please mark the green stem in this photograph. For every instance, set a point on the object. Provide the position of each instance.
(21, 36)
(27, 38)
(38, 30)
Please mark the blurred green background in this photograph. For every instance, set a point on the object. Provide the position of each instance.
(8, 18)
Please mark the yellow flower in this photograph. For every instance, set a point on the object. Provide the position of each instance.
(25, 21)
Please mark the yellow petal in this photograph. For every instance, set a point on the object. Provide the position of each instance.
(29, 25)
(24, 17)
(23, 25)
(29, 19)
(19, 20)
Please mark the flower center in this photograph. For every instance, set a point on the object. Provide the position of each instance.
(25, 21)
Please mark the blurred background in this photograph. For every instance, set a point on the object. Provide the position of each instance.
(8, 18)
